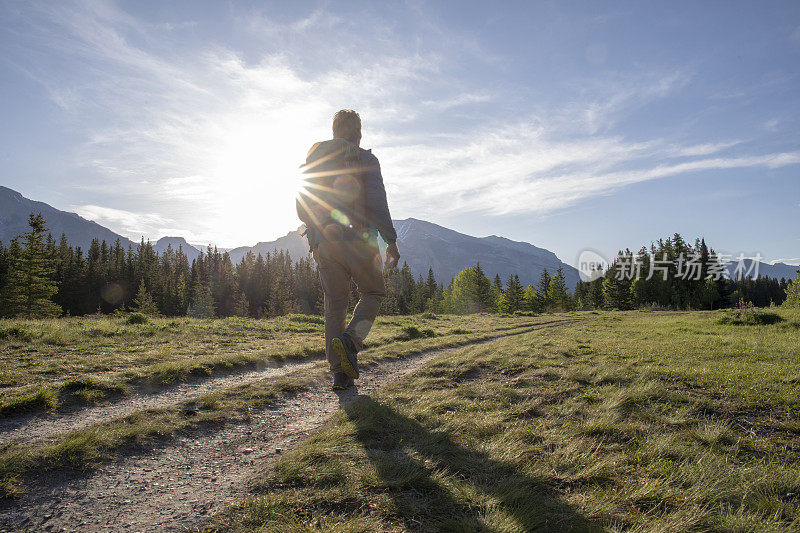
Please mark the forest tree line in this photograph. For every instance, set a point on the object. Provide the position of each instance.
(671, 289)
(40, 277)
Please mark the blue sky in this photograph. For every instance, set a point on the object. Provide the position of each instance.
(569, 125)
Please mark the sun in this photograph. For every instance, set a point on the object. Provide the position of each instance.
(257, 176)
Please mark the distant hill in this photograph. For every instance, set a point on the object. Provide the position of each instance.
(777, 271)
(176, 242)
(424, 245)
(15, 208)
(292, 242)
(14, 211)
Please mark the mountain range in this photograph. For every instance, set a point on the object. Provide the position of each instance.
(14, 211)
(423, 245)
(15, 208)
(766, 270)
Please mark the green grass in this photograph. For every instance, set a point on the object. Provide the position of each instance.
(86, 448)
(655, 421)
(40, 358)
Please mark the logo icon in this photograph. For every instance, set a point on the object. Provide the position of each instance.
(591, 265)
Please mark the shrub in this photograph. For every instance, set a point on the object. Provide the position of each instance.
(747, 315)
(16, 332)
(413, 332)
(137, 318)
(654, 306)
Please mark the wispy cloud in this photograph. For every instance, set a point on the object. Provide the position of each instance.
(772, 125)
(131, 224)
(524, 170)
(795, 261)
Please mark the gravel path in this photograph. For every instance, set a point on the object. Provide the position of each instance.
(182, 483)
(178, 485)
(31, 428)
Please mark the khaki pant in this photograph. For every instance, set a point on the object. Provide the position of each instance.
(339, 262)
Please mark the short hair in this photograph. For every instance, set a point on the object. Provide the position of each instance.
(347, 125)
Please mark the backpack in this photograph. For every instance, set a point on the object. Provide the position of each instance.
(331, 201)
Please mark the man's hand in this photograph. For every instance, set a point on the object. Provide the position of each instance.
(392, 256)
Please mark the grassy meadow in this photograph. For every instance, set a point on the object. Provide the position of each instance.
(60, 363)
(617, 421)
(634, 421)
(103, 369)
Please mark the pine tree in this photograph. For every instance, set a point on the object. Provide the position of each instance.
(531, 299)
(484, 289)
(542, 289)
(596, 293)
(144, 302)
(709, 294)
(4, 266)
(501, 305)
(30, 287)
(389, 304)
(514, 294)
(470, 292)
(638, 292)
(615, 294)
(405, 288)
(202, 305)
(793, 293)
(497, 293)
(432, 285)
(420, 295)
(557, 293)
(240, 307)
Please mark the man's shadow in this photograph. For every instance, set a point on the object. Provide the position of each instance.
(412, 461)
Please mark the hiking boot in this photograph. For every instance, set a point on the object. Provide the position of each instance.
(342, 381)
(343, 347)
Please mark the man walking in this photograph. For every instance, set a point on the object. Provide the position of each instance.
(343, 205)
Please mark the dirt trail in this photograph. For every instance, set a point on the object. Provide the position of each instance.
(182, 483)
(31, 428)
(177, 485)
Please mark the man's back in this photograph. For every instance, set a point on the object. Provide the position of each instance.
(344, 191)
(343, 205)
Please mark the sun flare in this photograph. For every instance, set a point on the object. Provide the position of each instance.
(256, 175)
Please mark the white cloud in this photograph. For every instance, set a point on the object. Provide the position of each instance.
(131, 224)
(788, 261)
(703, 149)
(458, 101)
(525, 169)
